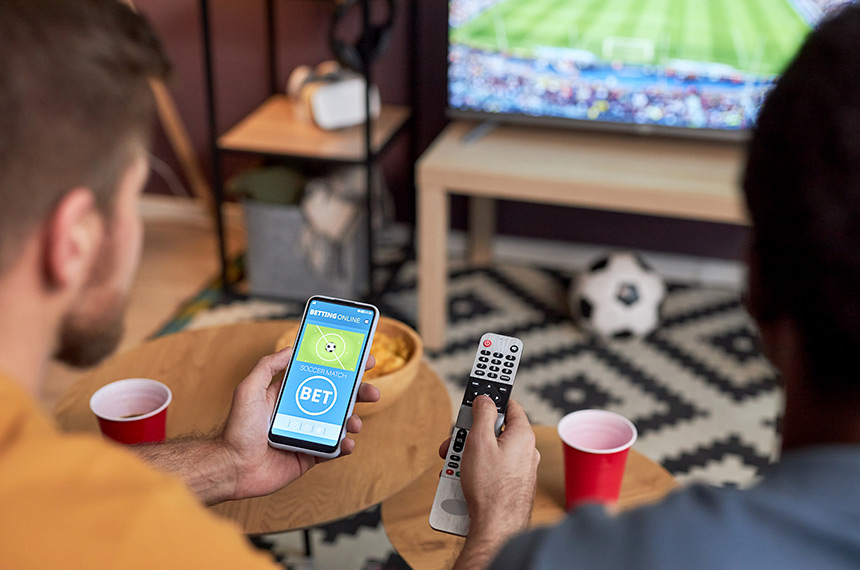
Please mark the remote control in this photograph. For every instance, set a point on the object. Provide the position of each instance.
(493, 372)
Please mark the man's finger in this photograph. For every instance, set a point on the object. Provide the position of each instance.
(368, 393)
(353, 424)
(484, 416)
(518, 431)
(270, 365)
(443, 449)
(371, 362)
(275, 387)
(267, 367)
(278, 361)
(515, 416)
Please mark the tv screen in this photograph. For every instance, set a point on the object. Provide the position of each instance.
(686, 66)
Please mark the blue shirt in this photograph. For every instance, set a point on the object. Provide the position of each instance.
(804, 514)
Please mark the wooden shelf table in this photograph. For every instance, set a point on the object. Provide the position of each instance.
(275, 128)
(690, 179)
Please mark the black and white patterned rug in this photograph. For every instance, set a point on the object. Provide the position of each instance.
(703, 398)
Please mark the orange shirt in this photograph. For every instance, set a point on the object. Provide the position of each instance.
(74, 501)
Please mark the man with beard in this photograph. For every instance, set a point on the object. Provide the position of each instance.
(75, 113)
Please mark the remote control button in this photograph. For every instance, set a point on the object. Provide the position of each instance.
(455, 458)
(510, 357)
(481, 366)
(452, 465)
(494, 368)
(514, 348)
(479, 372)
(503, 389)
(485, 352)
(495, 361)
(483, 359)
(449, 472)
(492, 375)
(457, 473)
(488, 343)
(497, 354)
(505, 378)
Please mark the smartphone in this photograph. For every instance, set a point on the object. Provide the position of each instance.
(322, 379)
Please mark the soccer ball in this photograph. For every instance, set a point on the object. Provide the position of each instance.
(619, 296)
(331, 347)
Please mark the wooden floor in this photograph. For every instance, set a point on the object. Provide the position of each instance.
(179, 257)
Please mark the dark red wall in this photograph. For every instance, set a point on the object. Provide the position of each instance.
(239, 46)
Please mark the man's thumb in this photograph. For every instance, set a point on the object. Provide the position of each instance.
(484, 416)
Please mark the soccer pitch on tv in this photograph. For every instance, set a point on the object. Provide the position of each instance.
(752, 36)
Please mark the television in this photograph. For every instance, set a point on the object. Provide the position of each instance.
(679, 67)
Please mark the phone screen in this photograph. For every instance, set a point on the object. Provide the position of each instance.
(326, 366)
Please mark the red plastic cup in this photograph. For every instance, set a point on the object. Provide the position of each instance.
(596, 443)
(132, 410)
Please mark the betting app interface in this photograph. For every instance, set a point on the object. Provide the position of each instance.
(319, 384)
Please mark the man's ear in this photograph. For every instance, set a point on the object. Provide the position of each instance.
(73, 238)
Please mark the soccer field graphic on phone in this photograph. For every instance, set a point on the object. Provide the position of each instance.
(331, 347)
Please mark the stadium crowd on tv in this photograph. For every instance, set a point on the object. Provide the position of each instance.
(493, 83)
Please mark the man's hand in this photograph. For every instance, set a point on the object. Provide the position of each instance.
(238, 462)
(261, 469)
(498, 477)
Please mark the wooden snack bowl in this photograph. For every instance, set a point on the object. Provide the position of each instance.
(392, 384)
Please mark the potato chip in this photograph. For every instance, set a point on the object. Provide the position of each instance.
(391, 353)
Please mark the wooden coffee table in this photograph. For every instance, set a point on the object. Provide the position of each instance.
(202, 367)
(405, 514)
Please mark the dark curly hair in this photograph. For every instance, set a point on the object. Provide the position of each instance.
(802, 185)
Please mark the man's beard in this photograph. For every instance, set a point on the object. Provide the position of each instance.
(87, 339)
(94, 327)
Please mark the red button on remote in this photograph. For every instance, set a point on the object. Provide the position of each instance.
(449, 471)
(488, 343)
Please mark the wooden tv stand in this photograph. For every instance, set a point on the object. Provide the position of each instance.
(680, 178)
